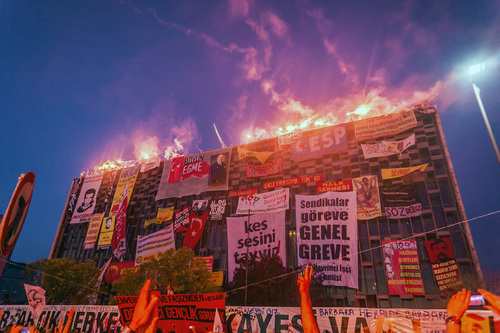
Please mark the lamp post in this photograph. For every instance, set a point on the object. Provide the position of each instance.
(474, 70)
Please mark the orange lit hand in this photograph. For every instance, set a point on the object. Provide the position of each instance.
(304, 282)
(16, 329)
(458, 303)
(493, 299)
(145, 315)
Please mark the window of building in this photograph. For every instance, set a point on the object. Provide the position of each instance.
(422, 193)
(396, 301)
(363, 230)
(376, 252)
(458, 245)
(394, 227)
(408, 303)
(370, 281)
(405, 228)
(365, 250)
(384, 303)
(444, 189)
(424, 152)
(428, 222)
(381, 280)
(384, 227)
(432, 141)
(373, 226)
(437, 210)
(346, 172)
(416, 223)
(439, 167)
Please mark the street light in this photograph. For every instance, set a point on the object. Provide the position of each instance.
(474, 70)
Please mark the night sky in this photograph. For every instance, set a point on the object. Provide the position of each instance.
(83, 82)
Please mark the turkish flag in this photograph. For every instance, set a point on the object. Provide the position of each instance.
(196, 225)
(176, 169)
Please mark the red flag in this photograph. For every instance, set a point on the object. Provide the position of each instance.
(176, 169)
(118, 242)
(196, 225)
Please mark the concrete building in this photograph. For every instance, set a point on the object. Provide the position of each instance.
(442, 210)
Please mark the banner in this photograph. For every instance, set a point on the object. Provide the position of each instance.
(196, 226)
(400, 172)
(339, 186)
(127, 177)
(145, 167)
(402, 268)
(181, 222)
(165, 214)
(386, 148)
(264, 203)
(87, 318)
(194, 174)
(36, 299)
(242, 193)
(292, 181)
(255, 235)
(87, 198)
(152, 221)
(179, 312)
(324, 141)
(119, 239)
(368, 198)
(288, 138)
(262, 156)
(259, 319)
(151, 246)
(92, 231)
(208, 263)
(264, 170)
(245, 319)
(327, 236)
(107, 228)
(386, 125)
(401, 201)
(199, 205)
(217, 209)
(115, 270)
(74, 195)
(444, 266)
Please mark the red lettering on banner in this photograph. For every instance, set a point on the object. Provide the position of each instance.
(292, 181)
(196, 169)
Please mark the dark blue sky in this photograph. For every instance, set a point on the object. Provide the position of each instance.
(86, 81)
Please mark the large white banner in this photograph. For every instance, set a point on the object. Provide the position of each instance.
(193, 174)
(87, 199)
(386, 148)
(262, 234)
(151, 246)
(264, 203)
(327, 236)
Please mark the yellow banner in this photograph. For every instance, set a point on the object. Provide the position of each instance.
(127, 176)
(217, 278)
(400, 172)
(165, 214)
(262, 156)
(151, 221)
(107, 228)
(92, 231)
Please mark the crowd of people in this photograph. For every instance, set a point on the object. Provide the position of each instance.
(146, 313)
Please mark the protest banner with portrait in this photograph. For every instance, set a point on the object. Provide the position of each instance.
(402, 268)
(87, 199)
(444, 265)
(367, 197)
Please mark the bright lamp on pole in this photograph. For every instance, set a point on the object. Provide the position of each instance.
(472, 71)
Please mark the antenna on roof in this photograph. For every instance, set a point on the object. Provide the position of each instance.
(220, 139)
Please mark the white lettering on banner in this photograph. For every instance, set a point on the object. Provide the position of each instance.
(327, 232)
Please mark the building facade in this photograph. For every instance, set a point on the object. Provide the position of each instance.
(441, 215)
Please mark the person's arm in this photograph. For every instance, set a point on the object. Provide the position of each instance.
(493, 299)
(455, 309)
(308, 322)
(146, 314)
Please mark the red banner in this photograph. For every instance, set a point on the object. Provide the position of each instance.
(402, 268)
(264, 170)
(340, 186)
(179, 312)
(293, 181)
(444, 266)
(196, 225)
(115, 270)
(243, 193)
